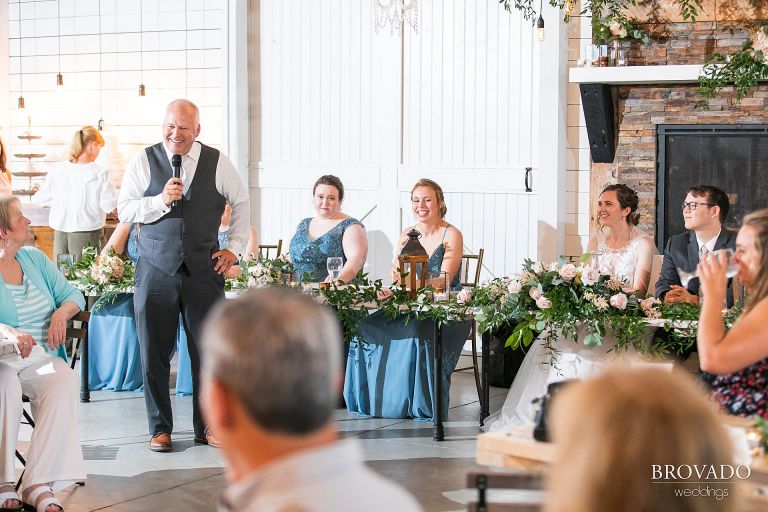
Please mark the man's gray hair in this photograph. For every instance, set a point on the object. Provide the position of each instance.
(279, 353)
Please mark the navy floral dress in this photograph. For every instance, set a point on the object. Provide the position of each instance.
(310, 255)
(744, 393)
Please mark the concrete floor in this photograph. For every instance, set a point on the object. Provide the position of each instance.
(124, 476)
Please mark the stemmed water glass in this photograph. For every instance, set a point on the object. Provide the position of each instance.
(334, 265)
(731, 270)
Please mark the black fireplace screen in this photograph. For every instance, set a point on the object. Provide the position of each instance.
(731, 157)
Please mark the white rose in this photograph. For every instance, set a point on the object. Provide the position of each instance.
(567, 272)
(465, 295)
(543, 302)
(553, 266)
(590, 276)
(619, 301)
(514, 286)
(535, 293)
(760, 41)
(648, 303)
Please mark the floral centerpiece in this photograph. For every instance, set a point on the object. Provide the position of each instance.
(105, 275)
(260, 272)
(575, 301)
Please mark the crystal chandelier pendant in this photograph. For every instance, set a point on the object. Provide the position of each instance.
(395, 13)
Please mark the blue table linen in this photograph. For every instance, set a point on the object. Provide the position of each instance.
(390, 375)
(114, 357)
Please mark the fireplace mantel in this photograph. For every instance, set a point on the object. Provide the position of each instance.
(626, 75)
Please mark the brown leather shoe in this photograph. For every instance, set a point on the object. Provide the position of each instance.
(161, 442)
(209, 439)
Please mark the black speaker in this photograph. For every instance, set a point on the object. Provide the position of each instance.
(599, 113)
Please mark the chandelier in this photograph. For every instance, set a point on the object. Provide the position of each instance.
(395, 13)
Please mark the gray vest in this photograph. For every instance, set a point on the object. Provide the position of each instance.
(189, 232)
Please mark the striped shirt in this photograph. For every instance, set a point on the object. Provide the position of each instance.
(33, 310)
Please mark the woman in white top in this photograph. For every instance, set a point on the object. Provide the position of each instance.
(80, 194)
(5, 174)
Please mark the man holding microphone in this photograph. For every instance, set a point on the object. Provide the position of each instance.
(180, 268)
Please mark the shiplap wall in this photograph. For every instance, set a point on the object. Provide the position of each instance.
(578, 205)
(452, 103)
(176, 47)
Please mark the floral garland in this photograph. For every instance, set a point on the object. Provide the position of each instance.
(106, 275)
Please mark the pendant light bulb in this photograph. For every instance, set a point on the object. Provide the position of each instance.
(21, 102)
(142, 90)
(540, 26)
(60, 80)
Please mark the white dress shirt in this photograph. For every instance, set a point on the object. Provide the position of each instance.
(710, 244)
(80, 196)
(132, 206)
(332, 478)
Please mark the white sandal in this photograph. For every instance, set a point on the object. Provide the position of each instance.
(9, 495)
(43, 504)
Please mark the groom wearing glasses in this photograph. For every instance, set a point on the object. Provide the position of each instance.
(705, 209)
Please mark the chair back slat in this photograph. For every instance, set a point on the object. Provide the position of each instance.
(472, 279)
(265, 249)
(76, 332)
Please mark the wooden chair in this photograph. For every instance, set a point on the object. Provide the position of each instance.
(265, 248)
(80, 351)
(466, 282)
(80, 336)
(482, 481)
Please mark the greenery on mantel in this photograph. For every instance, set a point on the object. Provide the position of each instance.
(741, 69)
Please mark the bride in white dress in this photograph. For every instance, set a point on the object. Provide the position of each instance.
(624, 251)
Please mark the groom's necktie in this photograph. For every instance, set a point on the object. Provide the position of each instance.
(703, 251)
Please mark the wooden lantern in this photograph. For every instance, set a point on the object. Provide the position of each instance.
(413, 260)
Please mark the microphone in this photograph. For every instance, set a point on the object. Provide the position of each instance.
(176, 164)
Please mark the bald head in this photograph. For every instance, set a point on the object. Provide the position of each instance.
(181, 126)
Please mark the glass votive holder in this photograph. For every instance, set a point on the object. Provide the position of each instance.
(603, 52)
(587, 57)
(439, 282)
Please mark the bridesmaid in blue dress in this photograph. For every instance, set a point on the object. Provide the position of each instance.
(329, 233)
(390, 375)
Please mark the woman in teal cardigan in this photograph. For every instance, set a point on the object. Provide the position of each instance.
(36, 302)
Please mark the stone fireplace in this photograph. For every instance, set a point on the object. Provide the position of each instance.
(668, 98)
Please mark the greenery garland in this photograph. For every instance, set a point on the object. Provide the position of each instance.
(742, 69)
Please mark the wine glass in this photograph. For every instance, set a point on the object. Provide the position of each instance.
(731, 270)
(334, 265)
(64, 262)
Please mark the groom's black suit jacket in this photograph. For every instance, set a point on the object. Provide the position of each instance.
(683, 251)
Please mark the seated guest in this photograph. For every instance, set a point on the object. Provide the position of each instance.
(284, 454)
(738, 356)
(35, 304)
(442, 241)
(330, 233)
(615, 433)
(705, 209)
(80, 194)
(390, 370)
